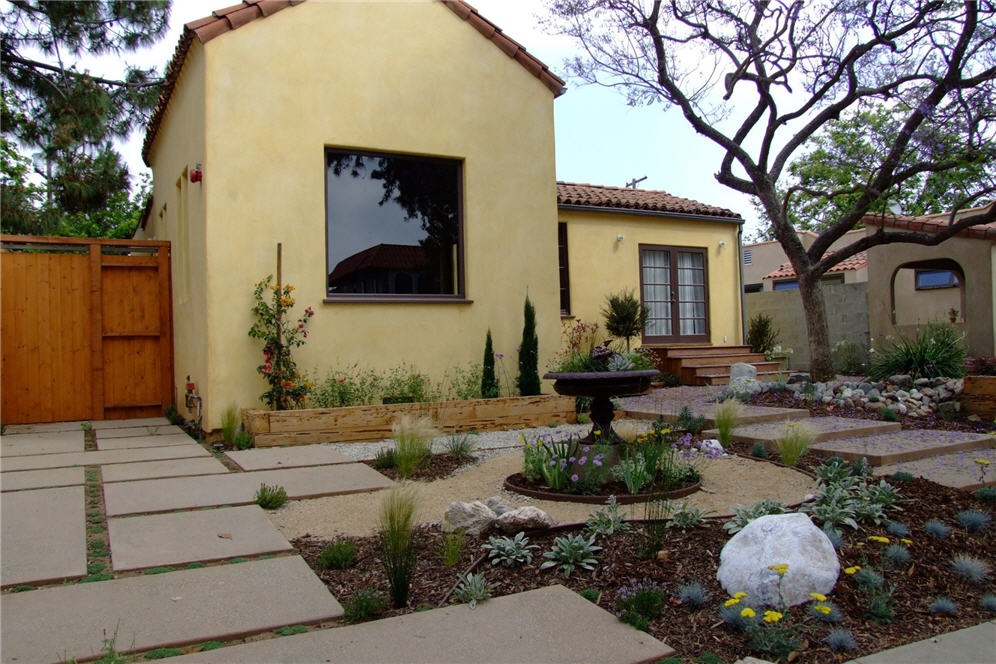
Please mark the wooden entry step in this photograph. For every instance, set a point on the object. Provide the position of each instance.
(714, 374)
(709, 365)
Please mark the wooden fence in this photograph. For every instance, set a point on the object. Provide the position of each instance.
(86, 329)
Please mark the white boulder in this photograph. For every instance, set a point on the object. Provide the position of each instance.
(470, 518)
(524, 518)
(777, 539)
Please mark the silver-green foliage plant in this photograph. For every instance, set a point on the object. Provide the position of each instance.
(270, 497)
(412, 443)
(687, 517)
(937, 528)
(607, 520)
(510, 551)
(744, 515)
(970, 568)
(943, 606)
(973, 521)
(840, 640)
(473, 588)
(570, 552)
(692, 594)
(846, 496)
(726, 414)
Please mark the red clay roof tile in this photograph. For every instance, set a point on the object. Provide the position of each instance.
(933, 223)
(598, 196)
(235, 16)
(855, 262)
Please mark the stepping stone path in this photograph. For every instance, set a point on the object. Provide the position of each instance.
(826, 428)
(204, 535)
(41, 443)
(100, 425)
(131, 432)
(957, 470)
(123, 472)
(42, 538)
(188, 450)
(267, 458)
(46, 427)
(907, 445)
(144, 612)
(551, 624)
(40, 479)
(142, 440)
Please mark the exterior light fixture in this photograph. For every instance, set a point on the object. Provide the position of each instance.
(620, 237)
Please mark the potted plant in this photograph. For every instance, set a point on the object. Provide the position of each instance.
(953, 314)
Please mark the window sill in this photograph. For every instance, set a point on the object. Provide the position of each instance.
(398, 299)
(567, 316)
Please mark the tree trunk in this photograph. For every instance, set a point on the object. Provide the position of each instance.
(820, 364)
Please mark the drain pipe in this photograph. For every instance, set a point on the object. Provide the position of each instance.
(193, 403)
(743, 302)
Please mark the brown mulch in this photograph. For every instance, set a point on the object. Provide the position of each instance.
(694, 557)
(784, 399)
(436, 468)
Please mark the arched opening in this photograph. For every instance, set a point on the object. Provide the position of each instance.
(925, 291)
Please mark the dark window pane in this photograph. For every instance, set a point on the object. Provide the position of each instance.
(786, 285)
(936, 279)
(392, 224)
(565, 284)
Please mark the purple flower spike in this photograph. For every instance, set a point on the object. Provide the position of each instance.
(553, 462)
(597, 462)
(587, 449)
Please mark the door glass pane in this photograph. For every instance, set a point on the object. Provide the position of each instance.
(691, 293)
(656, 272)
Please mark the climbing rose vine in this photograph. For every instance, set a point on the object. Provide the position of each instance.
(273, 326)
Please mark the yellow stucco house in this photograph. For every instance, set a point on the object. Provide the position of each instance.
(402, 153)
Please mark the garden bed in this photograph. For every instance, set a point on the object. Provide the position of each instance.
(979, 396)
(372, 423)
(537, 489)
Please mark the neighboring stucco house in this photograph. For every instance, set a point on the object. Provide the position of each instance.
(409, 176)
(766, 266)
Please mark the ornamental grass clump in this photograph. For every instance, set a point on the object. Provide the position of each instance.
(412, 443)
(937, 350)
(461, 446)
(794, 440)
(970, 568)
(726, 415)
(452, 548)
(973, 521)
(937, 528)
(943, 606)
(229, 425)
(841, 640)
(692, 595)
(897, 529)
(988, 602)
(270, 497)
(341, 554)
(396, 540)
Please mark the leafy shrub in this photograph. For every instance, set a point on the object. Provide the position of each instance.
(489, 382)
(510, 551)
(761, 335)
(412, 443)
(591, 595)
(848, 358)
(243, 440)
(970, 568)
(396, 540)
(744, 515)
(452, 548)
(570, 552)
(936, 528)
(692, 594)
(943, 606)
(840, 640)
(624, 315)
(473, 588)
(270, 497)
(725, 415)
(973, 521)
(364, 603)
(888, 415)
(607, 520)
(937, 350)
(229, 425)
(759, 451)
(640, 602)
(897, 529)
(794, 440)
(340, 554)
(461, 445)
(689, 421)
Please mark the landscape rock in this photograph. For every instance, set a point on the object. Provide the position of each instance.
(470, 518)
(901, 380)
(524, 518)
(711, 446)
(798, 378)
(777, 539)
(497, 504)
(743, 370)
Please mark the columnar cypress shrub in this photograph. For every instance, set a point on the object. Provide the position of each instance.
(489, 384)
(529, 382)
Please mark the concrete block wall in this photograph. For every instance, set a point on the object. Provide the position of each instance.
(847, 314)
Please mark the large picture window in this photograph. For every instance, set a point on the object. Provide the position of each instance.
(393, 227)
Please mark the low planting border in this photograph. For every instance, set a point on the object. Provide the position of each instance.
(355, 424)
(978, 395)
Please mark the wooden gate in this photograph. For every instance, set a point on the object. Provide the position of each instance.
(86, 329)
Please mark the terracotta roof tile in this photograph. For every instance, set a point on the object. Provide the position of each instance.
(933, 223)
(235, 16)
(380, 257)
(855, 262)
(598, 196)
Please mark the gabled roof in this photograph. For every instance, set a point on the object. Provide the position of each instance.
(933, 223)
(232, 18)
(855, 262)
(380, 257)
(570, 194)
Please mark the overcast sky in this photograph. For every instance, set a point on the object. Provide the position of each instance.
(600, 140)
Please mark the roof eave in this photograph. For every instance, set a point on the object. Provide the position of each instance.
(650, 213)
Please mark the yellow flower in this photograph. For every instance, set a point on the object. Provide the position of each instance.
(822, 608)
(853, 570)
(522, 438)
(906, 541)
(740, 595)
(597, 432)
(983, 462)
(289, 287)
(772, 616)
(780, 569)
(731, 602)
(819, 597)
(747, 613)
(879, 539)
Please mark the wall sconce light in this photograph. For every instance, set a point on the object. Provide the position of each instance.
(722, 243)
(620, 237)
(197, 175)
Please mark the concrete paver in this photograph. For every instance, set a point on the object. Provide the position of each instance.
(37, 461)
(204, 535)
(164, 495)
(145, 470)
(54, 442)
(825, 428)
(44, 427)
(128, 432)
(133, 422)
(905, 445)
(42, 537)
(551, 625)
(40, 479)
(287, 457)
(972, 645)
(144, 440)
(957, 470)
(144, 612)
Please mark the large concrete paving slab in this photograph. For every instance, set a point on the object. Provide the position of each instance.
(99, 458)
(42, 537)
(149, 496)
(100, 425)
(147, 470)
(42, 443)
(44, 427)
(825, 428)
(957, 470)
(267, 458)
(134, 442)
(905, 445)
(972, 645)
(550, 625)
(145, 612)
(203, 535)
(131, 432)
(41, 479)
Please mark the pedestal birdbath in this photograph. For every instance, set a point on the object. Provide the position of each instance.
(602, 387)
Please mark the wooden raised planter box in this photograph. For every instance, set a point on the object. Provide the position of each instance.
(372, 423)
(979, 396)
